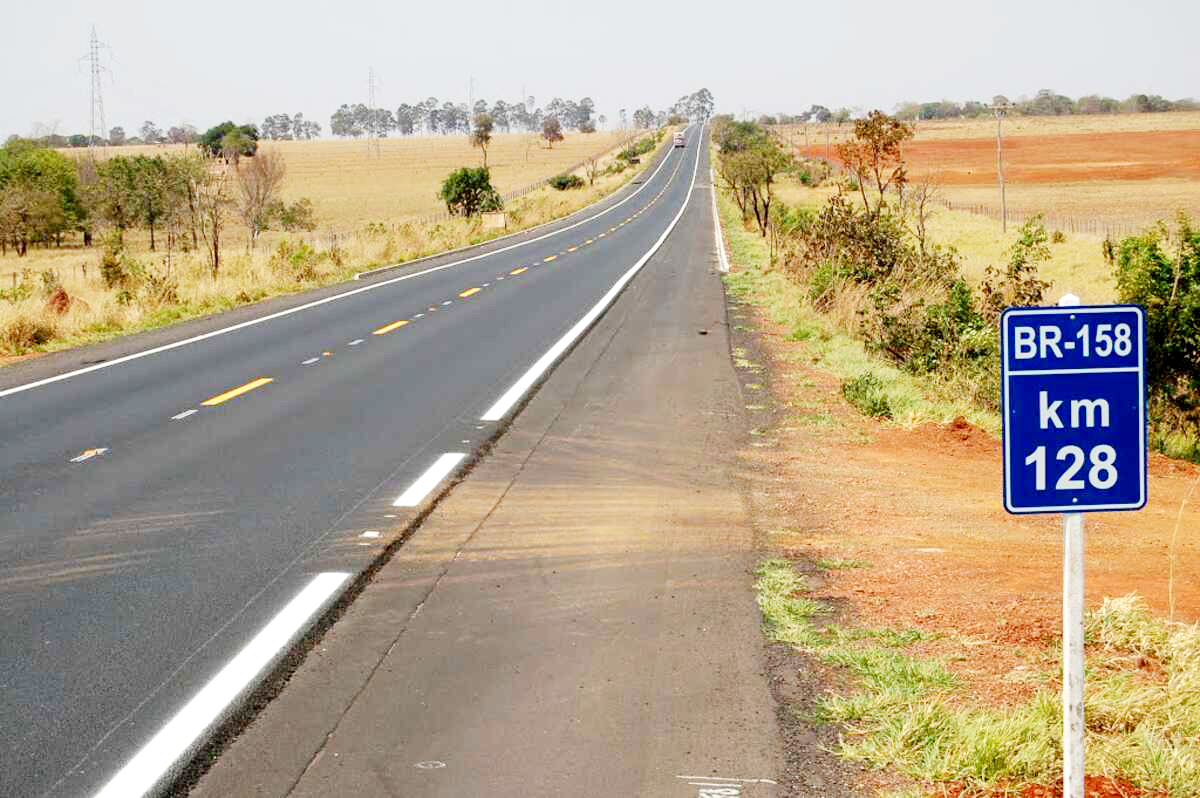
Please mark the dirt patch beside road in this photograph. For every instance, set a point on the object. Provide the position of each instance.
(903, 529)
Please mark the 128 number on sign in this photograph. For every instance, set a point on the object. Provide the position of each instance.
(1101, 474)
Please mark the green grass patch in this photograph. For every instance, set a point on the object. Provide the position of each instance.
(898, 713)
(840, 564)
(867, 394)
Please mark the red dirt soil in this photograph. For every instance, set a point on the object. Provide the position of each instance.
(1075, 157)
(923, 508)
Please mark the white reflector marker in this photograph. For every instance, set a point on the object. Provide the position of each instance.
(429, 480)
(159, 756)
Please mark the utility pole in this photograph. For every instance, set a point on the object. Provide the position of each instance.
(1000, 109)
(470, 103)
(372, 117)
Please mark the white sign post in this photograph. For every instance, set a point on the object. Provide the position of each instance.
(1074, 408)
(1072, 643)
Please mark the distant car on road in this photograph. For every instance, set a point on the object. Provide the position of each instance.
(680, 140)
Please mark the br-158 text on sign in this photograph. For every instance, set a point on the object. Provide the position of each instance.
(1073, 400)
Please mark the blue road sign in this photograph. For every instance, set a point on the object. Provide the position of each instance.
(1073, 400)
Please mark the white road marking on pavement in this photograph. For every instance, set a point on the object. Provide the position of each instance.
(370, 533)
(430, 764)
(448, 302)
(355, 342)
(184, 414)
(389, 515)
(429, 480)
(88, 455)
(510, 397)
(316, 303)
(310, 361)
(158, 758)
(723, 778)
(719, 240)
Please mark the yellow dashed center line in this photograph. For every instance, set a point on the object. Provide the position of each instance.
(469, 292)
(590, 241)
(396, 325)
(602, 235)
(612, 229)
(521, 270)
(547, 260)
(572, 249)
(236, 392)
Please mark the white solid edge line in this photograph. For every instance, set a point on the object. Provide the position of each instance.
(157, 758)
(309, 305)
(718, 237)
(513, 395)
(428, 481)
(184, 414)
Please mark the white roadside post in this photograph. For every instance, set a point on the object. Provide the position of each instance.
(1072, 643)
(1073, 400)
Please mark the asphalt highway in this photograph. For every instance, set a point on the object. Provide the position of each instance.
(171, 519)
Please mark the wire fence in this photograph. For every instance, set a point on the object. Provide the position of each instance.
(1105, 228)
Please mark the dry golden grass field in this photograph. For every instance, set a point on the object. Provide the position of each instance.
(368, 214)
(350, 188)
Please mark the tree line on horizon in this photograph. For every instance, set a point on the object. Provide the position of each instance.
(425, 117)
(1046, 102)
(431, 117)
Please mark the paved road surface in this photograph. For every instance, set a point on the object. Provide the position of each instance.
(143, 546)
(576, 617)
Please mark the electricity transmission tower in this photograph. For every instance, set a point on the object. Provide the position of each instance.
(99, 128)
(372, 117)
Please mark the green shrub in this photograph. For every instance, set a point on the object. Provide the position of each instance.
(563, 182)
(297, 259)
(297, 216)
(639, 147)
(1018, 284)
(1160, 271)
(820, 286)
(112, 261)
(866, 393)
(468, 191)
(22, 290)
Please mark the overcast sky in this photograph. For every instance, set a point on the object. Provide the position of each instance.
(202, 62)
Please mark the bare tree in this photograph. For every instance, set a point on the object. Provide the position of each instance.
(212, 202)
(874, 156)
(591, 168)
(552, 130)
(481, 134)
(916, 206)
(258, 182)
